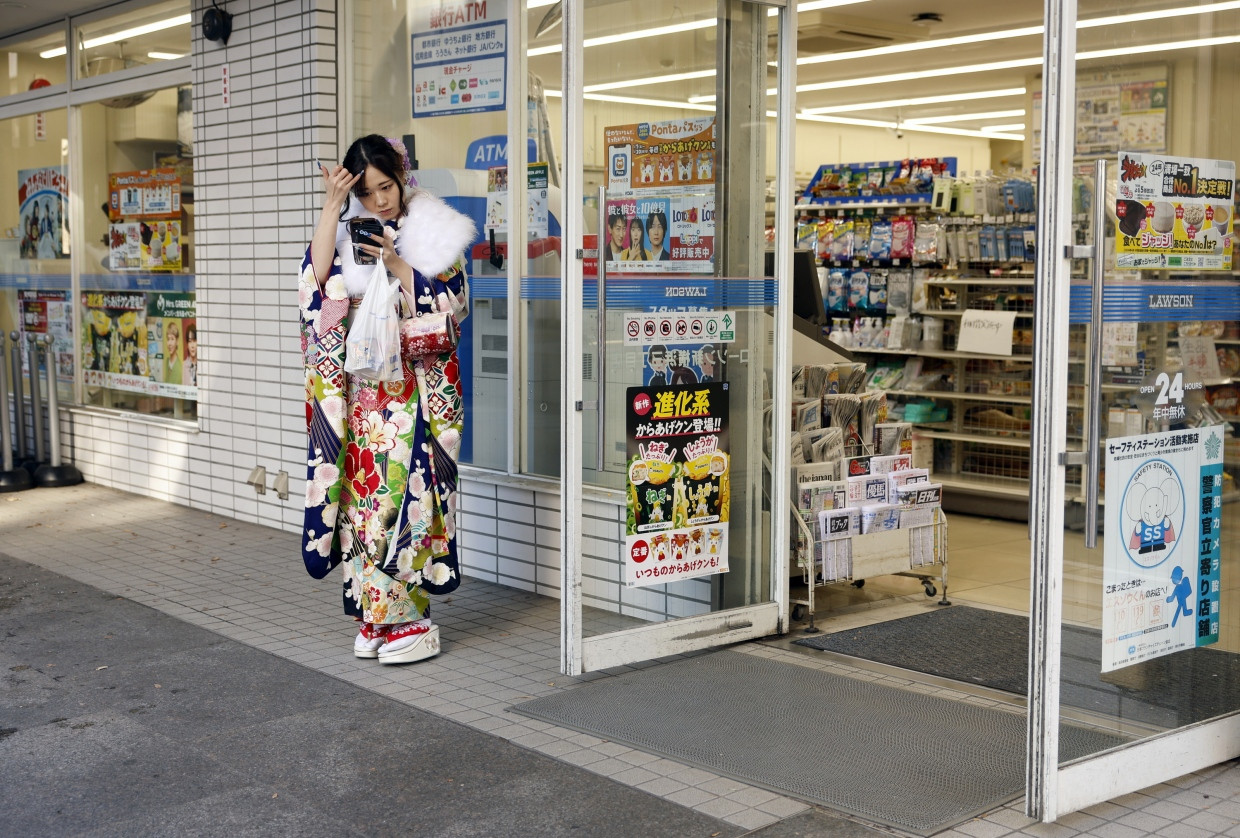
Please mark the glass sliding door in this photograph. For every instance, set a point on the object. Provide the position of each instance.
(1142, 624)
(670, 357)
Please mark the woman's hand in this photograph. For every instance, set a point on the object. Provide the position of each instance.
(339, 182)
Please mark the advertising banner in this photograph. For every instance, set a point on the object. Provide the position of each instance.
(1174, 212)
(140, 342)
(145, 246)
(678, 483)
(1160, 580)
(49, 313)
(153, 193)
(661, 197)
(41, 196)
(460, 53)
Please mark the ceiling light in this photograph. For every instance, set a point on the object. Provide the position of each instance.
(1157, 14)
(815, 5)
(917, 100)
(925, 129)
(628, 83)
(919, 74)
(1141, 49)
(123, 35)
(704, 23)
(165, 56)
(1016, 126)
(962, 117)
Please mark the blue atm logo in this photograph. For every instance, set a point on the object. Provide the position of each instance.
(487, 152)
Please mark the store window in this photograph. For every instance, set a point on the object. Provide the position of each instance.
(34, 61)
(135, 37)
(35, 283)
(139, 342)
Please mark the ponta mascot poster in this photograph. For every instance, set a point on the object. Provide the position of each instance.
(1160, 581)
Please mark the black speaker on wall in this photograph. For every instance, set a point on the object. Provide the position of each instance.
(216, 24)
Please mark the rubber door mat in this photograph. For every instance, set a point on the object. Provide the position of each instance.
(1183, 688)
(916, 762)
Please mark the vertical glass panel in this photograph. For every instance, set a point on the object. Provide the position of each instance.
(139, 344)
(33, 61)
(138, 36)
(438, 80)
(34, 253)
(1151, 629)
(678, 159)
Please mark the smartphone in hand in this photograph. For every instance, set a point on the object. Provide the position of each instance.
(358, 228)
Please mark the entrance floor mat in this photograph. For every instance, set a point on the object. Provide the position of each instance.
(990, 649)
(916, 762)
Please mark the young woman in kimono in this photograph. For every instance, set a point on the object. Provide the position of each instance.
(381, 481)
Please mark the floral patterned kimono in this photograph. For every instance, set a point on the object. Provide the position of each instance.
(381, 473)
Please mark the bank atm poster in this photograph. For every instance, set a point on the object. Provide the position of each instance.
(41, 196)
(660, 212)
(460, 53)
(1160, 579)
(1174, 212)
(678, 484)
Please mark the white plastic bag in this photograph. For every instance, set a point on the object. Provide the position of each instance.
(372, 348)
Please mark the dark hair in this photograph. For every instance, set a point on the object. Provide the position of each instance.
(375, 150)
(191, 333)
(658, 215)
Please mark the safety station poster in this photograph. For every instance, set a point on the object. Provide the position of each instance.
(1160, 579)
(678, 484)
(1174, 212)
(660, 212)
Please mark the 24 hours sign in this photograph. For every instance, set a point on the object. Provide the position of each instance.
(678, 484)
(1160, 579)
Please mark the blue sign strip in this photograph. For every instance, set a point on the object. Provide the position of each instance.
(182, 283)
(644, 294)
(1155, 302)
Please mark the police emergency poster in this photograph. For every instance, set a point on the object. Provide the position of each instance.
(1160, 579)
(679, 483)
(1174, 212)
(660, 211)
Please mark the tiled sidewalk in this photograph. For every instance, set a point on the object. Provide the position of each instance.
(501, 647)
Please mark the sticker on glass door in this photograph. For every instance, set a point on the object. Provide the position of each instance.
(678, 484)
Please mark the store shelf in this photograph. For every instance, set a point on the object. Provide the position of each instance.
(878, 202)
(949, 354)
(1006, 486)
(971, 397)
(947, 312)
(1014, 442)
(998, 282)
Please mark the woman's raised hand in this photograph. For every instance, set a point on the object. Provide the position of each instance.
(339, 182)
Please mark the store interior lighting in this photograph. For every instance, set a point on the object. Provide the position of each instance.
(945, 98)
(123, 35)
(165, 56)
(964, 117)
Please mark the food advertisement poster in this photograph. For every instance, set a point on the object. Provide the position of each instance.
(1160, 578)
(1174, 212)
(459, 57)
(153, 193)
(49, 313)
(140, 342)
(660, 210)
(537, 213)
(678, 484)
(145, 246)
(41, 196)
